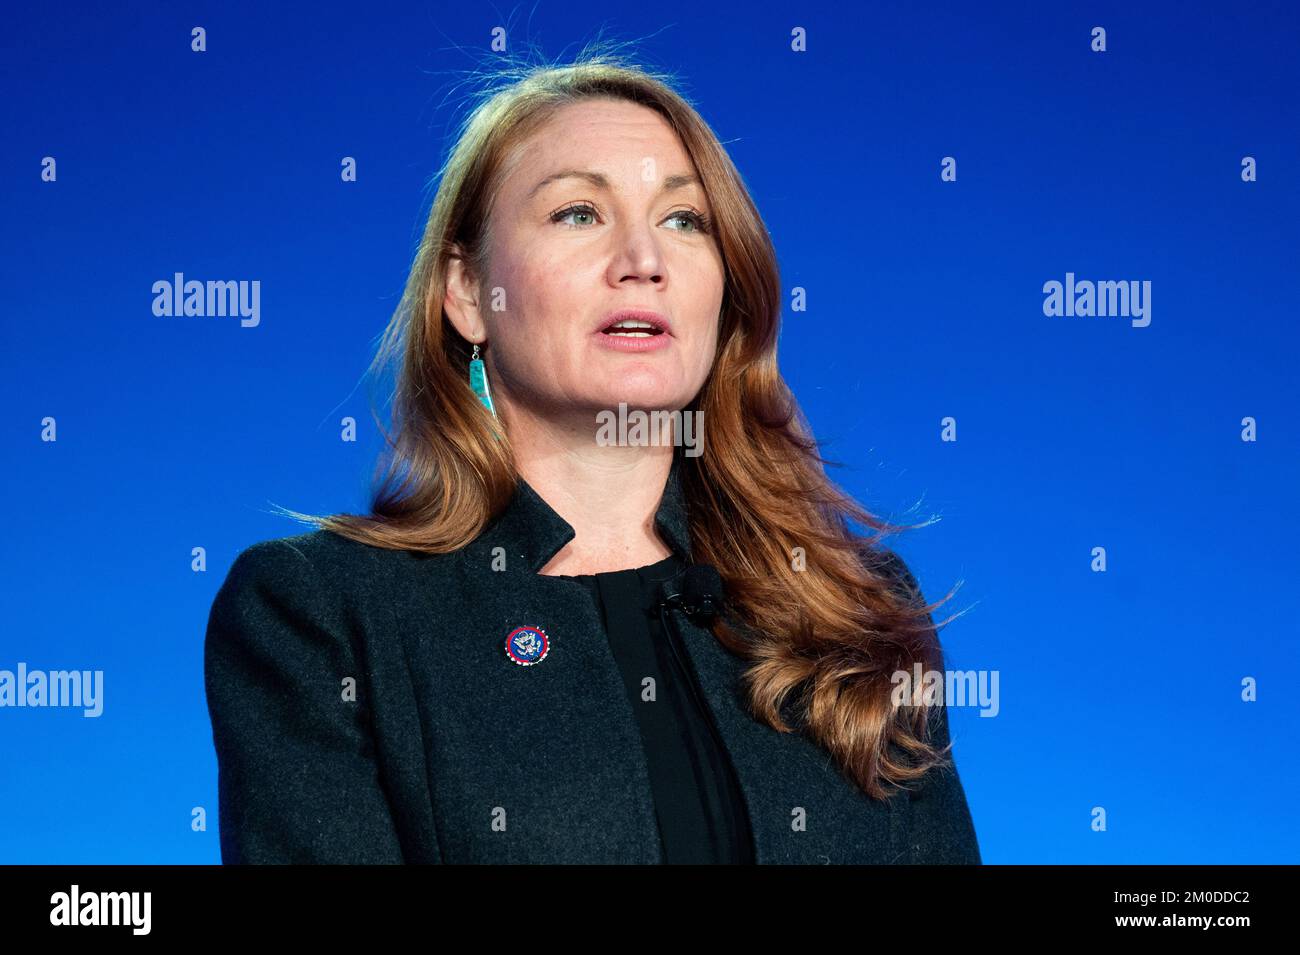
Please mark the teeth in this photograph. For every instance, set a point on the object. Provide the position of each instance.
(632, 334)
(631, 323)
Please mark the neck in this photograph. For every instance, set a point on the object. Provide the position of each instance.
(608, 494)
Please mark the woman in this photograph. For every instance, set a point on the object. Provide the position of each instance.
(554, 641)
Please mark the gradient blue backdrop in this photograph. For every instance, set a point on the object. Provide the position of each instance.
(1119, 690)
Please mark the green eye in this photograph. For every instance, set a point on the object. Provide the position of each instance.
(579, 209)
(701, 223)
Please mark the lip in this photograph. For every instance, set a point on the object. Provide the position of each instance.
(639, 314)
(621, 343)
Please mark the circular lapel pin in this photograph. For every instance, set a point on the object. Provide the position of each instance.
(527, 645)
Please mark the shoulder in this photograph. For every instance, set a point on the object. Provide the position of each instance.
(270, 584)
(291, 603)
(318, 578)
(324, 551)
(322, 572)
(338, 564)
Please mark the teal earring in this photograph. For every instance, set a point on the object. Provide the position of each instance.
(478, 381)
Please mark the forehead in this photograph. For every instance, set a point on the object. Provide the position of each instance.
(615, 137)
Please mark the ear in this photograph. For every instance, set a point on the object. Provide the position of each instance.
(461, 300)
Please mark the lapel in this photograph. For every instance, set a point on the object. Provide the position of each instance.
(590, 766)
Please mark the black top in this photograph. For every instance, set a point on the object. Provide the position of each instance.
(697, 798)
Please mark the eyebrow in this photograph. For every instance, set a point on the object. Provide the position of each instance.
(601, 182)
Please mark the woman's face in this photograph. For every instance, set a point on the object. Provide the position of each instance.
(599, 215)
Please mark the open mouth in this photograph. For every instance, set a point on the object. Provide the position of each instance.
(631, 328)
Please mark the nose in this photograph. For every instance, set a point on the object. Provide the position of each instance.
(639, 257)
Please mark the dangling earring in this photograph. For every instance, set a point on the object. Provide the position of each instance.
(478, 382)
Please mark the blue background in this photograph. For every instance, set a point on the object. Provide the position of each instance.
(1119, 690)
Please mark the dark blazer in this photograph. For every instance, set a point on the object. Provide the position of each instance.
(451, 752)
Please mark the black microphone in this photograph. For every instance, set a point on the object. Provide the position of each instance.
(697, 590)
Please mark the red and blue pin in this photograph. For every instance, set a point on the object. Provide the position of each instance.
(527, 645)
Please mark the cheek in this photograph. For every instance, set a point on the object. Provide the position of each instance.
(557, 302)
(709, 284)
(547, 306)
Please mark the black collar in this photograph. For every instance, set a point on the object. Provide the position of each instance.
(531, 532)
